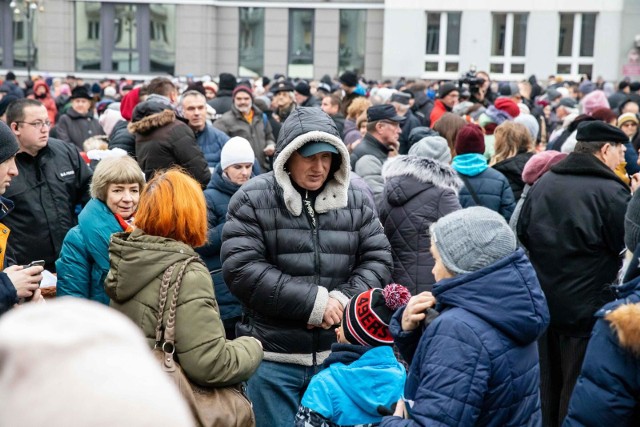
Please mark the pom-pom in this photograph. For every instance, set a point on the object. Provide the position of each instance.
(395, 296)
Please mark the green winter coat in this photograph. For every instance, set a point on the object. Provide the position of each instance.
(138, 262)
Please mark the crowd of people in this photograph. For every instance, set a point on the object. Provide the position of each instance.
(355, 252)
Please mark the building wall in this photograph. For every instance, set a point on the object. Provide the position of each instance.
(197, 39)
(56, 36)
(276, 29)
(374, 44)
(325, 46)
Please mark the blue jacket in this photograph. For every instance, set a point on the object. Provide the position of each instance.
(491, 186)
(608, 390)
(217, 195)
(84, 258)
(476, 364)
(211, 141)
(355, 382)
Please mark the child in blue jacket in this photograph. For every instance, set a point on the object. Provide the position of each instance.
(362, 374)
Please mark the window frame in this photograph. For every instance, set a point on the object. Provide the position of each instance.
(508, 60)
(575, 60)
(441, 58)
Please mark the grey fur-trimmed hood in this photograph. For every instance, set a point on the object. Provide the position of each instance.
(423, 169)
(306, 124)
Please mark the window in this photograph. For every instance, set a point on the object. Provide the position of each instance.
(301, 43)
(576, 43)
(251, 59)
(352, 40)
(128, 38)
(508, 43)
(443, 42)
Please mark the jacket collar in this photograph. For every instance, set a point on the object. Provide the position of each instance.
(585, 164)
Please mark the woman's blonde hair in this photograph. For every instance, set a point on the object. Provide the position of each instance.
(115, 170)
(510, 139)
(173, 206)
(357, 107)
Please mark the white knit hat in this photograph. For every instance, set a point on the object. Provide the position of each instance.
(236, 150)
(76, 362)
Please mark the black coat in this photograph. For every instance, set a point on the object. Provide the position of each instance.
(121, 138)
(222, 102)
(512, 169)
(76, 128)
(572, 223)
(417, 192)
(163, 141)
(283, 257)
(411, 122)
(45, 193)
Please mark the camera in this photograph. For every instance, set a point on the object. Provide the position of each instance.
(471, 81)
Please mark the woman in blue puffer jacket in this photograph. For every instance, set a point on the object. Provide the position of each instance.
(483, 186)
(235, 168)
(476, 363)
(84, 258)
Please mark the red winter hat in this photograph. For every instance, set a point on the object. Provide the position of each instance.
(367, 315)
(539, 164)
(242, 88)
(470, 139)
(129, 102)
(508, 106)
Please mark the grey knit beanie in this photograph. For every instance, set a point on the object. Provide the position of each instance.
(632, 223)
(8, 143)
(432, 147)
(472, 238)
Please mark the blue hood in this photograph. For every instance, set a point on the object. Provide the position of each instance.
(506, 294)
(471, 164)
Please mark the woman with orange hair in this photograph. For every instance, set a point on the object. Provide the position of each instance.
(171, 220)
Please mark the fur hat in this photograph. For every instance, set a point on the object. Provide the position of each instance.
(366, 317)
(471, 239)
(8, 143)
(349, 78)
(433, 147)
(236, 150)
(79, 360)
(470, 139)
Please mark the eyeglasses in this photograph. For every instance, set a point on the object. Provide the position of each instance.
(38, 124)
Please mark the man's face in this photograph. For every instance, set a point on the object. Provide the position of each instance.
(32, 132)
(451, 99)
(613, 154)
(282, 99)
(328, 107)
(309, 172)
(630, 107)
(389, 132)
(300, 98)
(194, 109)
(242, 101)
(8, 170)
(629, 128)
(81, 105)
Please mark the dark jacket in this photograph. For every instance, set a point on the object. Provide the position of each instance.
(490, 186)
(572, 223)
(476, 364)
(346, 102)
(417, 192)
(411, 122)
(367, 160)
(121, 138)
(350, 133)
(338, 119)
(283, 256)
(76, 128)
(163, 141)
(8, 293)
(607, 392)
(217, 196)
(311, 101)
(45, 193)
(512, 169)
(137, 263)
(222, 102)
(258, 132)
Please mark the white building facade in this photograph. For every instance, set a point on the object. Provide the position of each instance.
(308, 39)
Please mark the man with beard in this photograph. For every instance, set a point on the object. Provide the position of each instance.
(247, 121)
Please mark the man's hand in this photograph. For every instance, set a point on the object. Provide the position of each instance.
(25, 280)
(269, 150)
(415, 312)
(332, 313)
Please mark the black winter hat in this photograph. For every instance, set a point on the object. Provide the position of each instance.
(8, 143)
(446, 89)
(303, 88)
(79, 92)
(282, 87)
(597, 130)
(349, 78)
(227, 82)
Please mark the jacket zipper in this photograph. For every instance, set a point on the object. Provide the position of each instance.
(314, 228)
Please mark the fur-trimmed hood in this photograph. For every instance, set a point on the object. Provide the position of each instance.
(625, 322)
(306, 124)
(149, 116)
(424, 170)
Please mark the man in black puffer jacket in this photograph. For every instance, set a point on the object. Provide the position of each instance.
(297, 244)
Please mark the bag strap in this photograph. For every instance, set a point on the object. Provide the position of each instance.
(169, 331)
(469, 187)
